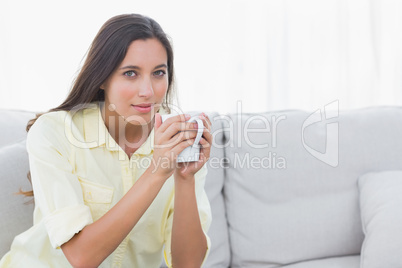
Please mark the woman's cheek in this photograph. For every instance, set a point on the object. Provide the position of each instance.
(126, 92)
(161, 89)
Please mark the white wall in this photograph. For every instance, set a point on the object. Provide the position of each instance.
(264, 54)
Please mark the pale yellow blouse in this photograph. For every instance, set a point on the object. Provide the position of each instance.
(78, 173)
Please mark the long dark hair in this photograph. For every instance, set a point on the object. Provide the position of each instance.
(105, 54)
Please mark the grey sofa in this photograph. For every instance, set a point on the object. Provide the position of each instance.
(291, 188)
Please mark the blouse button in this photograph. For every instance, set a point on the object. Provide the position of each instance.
(88, 195)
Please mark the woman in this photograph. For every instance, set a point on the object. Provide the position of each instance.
(108, 191)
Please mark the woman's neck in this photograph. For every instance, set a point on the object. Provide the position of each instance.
(129, 136)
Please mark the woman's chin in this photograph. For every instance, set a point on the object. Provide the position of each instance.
(139, 120)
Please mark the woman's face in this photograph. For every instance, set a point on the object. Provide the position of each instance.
(136, 89)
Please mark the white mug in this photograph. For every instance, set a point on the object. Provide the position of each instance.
(192, 152)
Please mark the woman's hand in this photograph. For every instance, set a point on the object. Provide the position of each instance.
(171, 138)
(187, 170)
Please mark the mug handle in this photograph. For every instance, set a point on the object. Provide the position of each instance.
(200, 130)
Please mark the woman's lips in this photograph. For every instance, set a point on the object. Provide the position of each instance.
(143, 108)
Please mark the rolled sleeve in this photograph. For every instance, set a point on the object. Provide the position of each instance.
(204, 211)
(58, 195)
(63, 224)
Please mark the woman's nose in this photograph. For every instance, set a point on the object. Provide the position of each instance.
(146, 89)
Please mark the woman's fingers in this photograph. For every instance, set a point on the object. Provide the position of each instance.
(207, 136)
(158, 121)
(182, 145)
(184, 142)
(176, 134)
(173, 119)
(177, 127)
(205, 145)
(178, 138)
(205, 150)
(177, 123)
(206, 121)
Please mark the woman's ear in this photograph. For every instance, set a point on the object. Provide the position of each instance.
(103, 86)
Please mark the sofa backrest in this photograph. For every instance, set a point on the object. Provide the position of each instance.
(13, 124)
(16, 213)
(290, 188)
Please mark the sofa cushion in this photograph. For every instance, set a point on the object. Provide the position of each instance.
(16, 216)
(341, 262)
(297, 198)
(381, 212)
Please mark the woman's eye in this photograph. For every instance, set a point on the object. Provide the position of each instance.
(130, 73)
(160, 73)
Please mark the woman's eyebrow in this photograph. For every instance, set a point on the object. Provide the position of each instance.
(161, 66)
(138, 68)
(129, 67)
